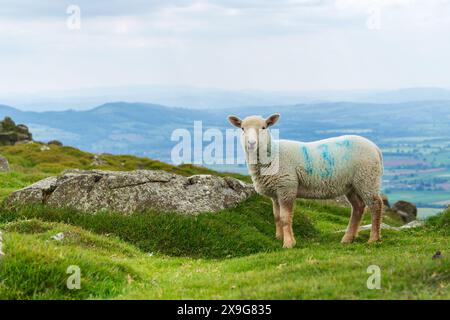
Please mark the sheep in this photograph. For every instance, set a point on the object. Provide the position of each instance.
(350, 166)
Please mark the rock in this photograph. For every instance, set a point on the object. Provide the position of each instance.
(413, 224)
(55, 142)
(4, 164)
(98, 161)
(405, 210)
(23, 142)
(21, 128)
(135, 191)
(59, 236)
(383, 226)
(8, 138)
(11, 134)
(437, 255)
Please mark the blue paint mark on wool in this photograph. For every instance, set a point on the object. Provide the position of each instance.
(309, 167)
(347, 145)
(328, 160)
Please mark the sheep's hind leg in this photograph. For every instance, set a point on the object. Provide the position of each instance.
(376, 209)
(276, 214)
(355, 219)
(286, 215)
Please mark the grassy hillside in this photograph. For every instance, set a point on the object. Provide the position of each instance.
(232, 254)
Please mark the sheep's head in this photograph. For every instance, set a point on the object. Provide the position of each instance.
(255, 130)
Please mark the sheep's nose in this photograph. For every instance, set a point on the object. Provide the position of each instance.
(251, 144)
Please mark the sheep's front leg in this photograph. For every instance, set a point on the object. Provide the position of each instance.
(286, 215)
(276, 214)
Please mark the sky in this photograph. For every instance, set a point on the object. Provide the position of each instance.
(283, 45)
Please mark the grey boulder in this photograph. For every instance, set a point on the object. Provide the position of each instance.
(135, 191)
(407, 211)
(4, 164)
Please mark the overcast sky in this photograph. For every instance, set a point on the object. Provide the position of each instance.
(294, 45)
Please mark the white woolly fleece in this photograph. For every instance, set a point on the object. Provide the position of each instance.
(321, 169)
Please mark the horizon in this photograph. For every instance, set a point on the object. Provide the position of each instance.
(84, 99)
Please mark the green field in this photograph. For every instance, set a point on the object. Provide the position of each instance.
(429, 197)
(228, 255)
(424, 213)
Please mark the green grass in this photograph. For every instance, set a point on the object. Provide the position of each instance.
(232, 254)
(216, 258)
(240, 231)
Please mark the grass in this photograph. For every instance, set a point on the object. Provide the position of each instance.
(232, 254)
(220, 260)
(240, 231)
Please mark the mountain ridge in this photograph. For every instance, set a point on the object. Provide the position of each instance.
(213, 98)
(144, 129)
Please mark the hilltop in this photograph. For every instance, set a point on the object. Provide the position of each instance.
(230, 254)
(11, 134)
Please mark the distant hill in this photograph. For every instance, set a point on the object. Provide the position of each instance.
(127, 128)
(408, 95)
(206, 98)
(145, 129)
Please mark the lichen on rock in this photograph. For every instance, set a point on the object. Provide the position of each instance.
(134, 191)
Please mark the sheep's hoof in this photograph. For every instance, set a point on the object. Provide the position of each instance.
(289, 244)
(374, 240)
(348, 239)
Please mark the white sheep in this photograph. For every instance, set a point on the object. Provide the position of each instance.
(324, 169)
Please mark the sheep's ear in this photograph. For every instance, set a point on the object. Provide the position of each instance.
(235, 121)
(270, 121)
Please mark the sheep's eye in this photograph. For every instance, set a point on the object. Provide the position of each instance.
(264, 128)
(242, 129)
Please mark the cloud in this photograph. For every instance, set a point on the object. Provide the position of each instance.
(257, 44)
